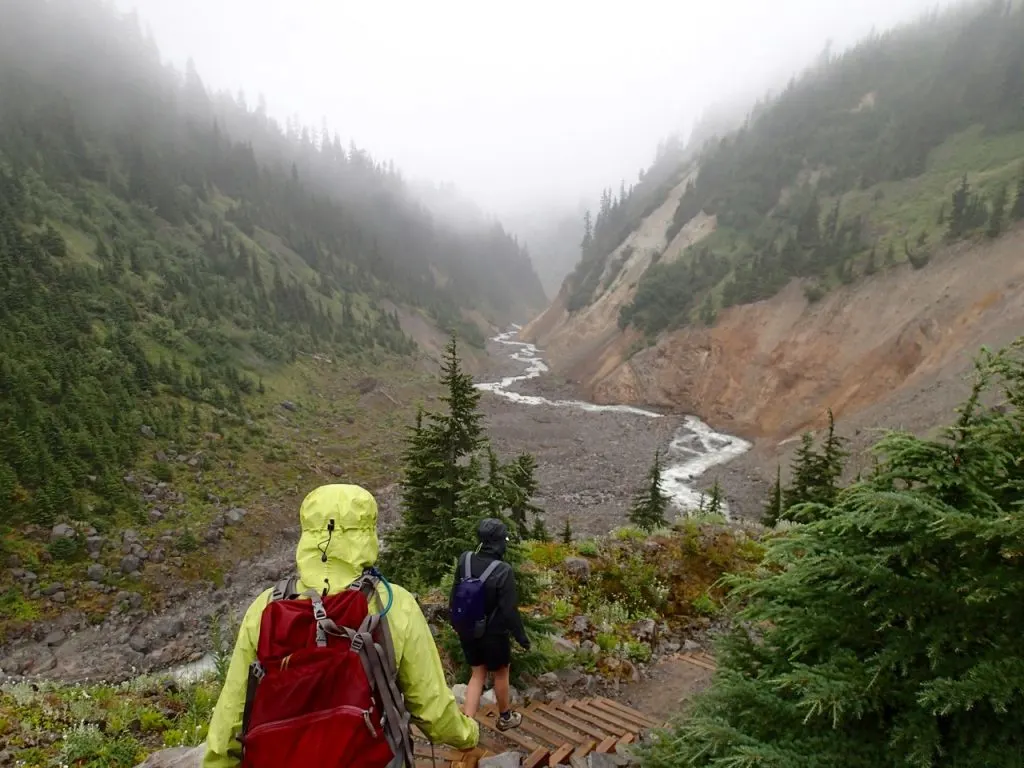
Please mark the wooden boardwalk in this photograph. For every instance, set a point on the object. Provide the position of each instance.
(549, 735)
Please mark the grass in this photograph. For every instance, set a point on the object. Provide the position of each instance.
(101, 725)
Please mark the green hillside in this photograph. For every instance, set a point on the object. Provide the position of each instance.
(191, 295)
(855, 167)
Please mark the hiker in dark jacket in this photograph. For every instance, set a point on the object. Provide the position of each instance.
(493, 652)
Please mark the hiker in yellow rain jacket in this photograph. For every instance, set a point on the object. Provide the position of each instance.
(352, 548)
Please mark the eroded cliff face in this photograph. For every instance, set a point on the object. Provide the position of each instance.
(770, 370)
(571, 340)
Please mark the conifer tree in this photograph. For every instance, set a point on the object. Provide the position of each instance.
(888, 630)
(998, 214)
(651, 503)
(1017, 212)
(443, 491)
(540, 530)
(773, 506)
(715, 499)
(567, 532)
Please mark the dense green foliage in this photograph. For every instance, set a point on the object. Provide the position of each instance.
(161, 248)
(651, 502)
(886, 630)
(453, 480)
(801, 190)
(814, 479)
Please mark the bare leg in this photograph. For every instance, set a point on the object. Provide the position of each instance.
(501, 689)
(475, 690)
(501, 693)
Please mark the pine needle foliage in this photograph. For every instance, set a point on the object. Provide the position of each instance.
(651, 503)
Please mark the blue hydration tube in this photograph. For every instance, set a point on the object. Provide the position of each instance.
(387, 585)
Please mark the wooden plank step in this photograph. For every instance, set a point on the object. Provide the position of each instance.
(617, 707)
(561, 755)
(697, 661)
(542, 735)
(601, 720)
(584, 749)
(606, 746)
(574, 722)
(536, 758)
(550, 723)
(629, 738)
(635, 720)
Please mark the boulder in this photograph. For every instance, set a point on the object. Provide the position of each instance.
(234, 516)
(288, 405)
(147, 431)
(580, 624)
(94, 544)
(590, 648)
(59, 597)
(577, 567)
(130, 564)
(563, 645)
(55, 638)
(459, 692)
(555, 697)
(130, 535)
(62, 531)
(139, 642)
(156, 514)
(504, 760)
(549, 680)
(53, 589)
(605, 760)
(645, 630)
(690, 646)
(179, 757)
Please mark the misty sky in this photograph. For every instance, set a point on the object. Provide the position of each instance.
(521, 104)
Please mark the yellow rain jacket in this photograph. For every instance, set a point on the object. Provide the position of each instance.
(353, 547)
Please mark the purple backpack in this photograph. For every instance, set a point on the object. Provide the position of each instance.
(468, 607)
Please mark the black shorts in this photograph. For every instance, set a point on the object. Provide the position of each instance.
(491, 651)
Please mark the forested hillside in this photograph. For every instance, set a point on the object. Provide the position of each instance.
(878, 156)
(163, 250)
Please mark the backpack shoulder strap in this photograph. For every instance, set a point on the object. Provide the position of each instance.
(285, 589)
(467, 566)
(494, 564)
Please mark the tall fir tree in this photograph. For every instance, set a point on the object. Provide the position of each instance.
(444, 492)
(716, 499)
(997, 217)
(567, 532)
(651, 503)
(773, 506)
(1017, 212)
(887, 631)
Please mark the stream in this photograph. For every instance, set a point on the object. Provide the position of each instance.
(693, 450)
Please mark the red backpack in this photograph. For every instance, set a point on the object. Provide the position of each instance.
(324, 687)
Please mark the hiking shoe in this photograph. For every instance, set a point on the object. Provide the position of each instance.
(513, 720)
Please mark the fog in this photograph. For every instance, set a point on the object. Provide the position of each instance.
(522, 106)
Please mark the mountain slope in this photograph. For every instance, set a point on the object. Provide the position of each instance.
(809, 259)
(198, 311)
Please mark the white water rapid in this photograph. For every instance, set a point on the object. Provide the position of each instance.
(693, 451)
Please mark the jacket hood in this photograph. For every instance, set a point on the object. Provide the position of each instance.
(493, 535)
(340, 555)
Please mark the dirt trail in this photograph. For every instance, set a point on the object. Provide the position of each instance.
(667, 689)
